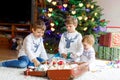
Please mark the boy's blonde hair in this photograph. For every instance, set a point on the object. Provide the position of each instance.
(39, 25)
(71, 20)
(89, 39)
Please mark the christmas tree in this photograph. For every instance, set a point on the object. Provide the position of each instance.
(87, 12)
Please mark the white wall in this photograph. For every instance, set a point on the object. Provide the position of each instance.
(111, 11)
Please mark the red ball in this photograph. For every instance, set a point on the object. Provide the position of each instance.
(54, 62)
(60, 62)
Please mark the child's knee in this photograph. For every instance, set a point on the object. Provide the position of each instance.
(22, 65)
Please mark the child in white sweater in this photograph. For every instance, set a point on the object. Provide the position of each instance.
(70, 45)
(32, 52)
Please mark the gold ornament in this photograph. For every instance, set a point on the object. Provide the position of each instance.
(49, 14)
(54, 2)
(52, 24)
(85, 28)
(73, 12)
(88, 5)
(52, 29)
(92, 6)
(49, 1)
(85, 18)
(65, 5)
(95, 14)
(80, 17)
(50, 9)
(81, 4)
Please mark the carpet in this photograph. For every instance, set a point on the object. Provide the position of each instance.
(100, 72)
(17, 74)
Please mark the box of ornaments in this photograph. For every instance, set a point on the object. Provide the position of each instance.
(36, 71)
(59, 70)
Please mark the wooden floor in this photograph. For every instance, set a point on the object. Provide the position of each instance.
(6, 54)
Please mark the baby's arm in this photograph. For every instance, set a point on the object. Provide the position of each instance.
(91, 55)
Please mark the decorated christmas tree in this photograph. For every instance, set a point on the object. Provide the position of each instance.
(87, 12)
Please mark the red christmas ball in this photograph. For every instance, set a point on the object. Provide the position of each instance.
(60, 62)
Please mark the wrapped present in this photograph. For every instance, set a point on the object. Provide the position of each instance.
(108, 53)
(67, 74)
(112, 39)
(102, 40)
(115, 53)
(100, 52)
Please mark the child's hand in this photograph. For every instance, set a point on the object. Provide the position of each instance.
(36, 62)
(73, 56)
(64, 55)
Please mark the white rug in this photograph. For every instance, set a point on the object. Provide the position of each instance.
(17, 74)
(99, 72)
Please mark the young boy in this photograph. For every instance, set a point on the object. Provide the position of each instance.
(70, 45)
(89, 52)
(31, 49)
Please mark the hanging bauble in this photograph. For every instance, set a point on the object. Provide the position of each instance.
(88, 5)
(87, 10)
(96, 29)
(52, 24)
(103, 29)
(95, 13)
(92, 6)
(63, 9)
(92, 19)
(54, 3)
(81, 4)
(80, 17)
(52, 29)
(65, 5)
(73, 12)
(49, 14)
(50, 9)
(85, 28)
(49, 1)
(85, 18)
(60, 6)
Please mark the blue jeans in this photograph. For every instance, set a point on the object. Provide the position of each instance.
(22, 62)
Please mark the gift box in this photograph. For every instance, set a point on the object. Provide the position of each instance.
(100, 52)
(32, 72)
(67, 74)
(115, 53)
(102, 40)
(112, 40)
(108, 53)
